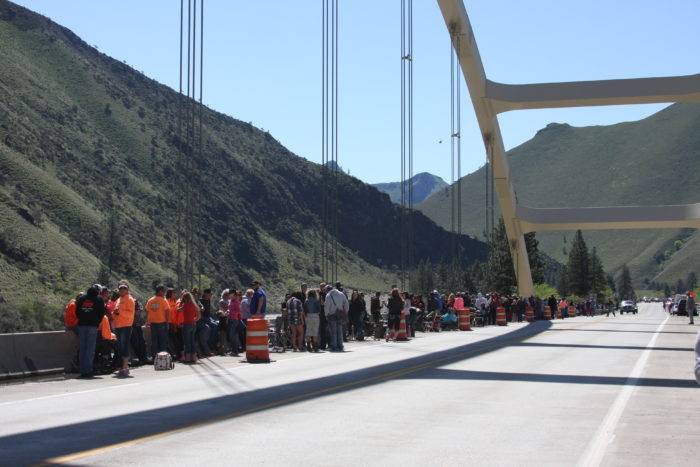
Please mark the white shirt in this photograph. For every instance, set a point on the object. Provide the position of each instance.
(335, 300)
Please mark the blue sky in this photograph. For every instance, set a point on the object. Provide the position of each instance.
(262, 64)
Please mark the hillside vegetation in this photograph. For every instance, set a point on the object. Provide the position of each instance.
(649, 162)
(87, 142)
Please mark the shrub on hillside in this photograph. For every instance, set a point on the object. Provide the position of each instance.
(30, 317)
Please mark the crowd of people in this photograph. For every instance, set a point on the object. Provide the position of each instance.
(190, 324)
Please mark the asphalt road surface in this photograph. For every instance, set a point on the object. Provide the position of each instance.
(583, 391)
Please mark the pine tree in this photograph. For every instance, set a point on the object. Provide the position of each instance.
(611, 282)
(535, 258)
(680, 286)
(579, 280)
(499, 269)
(598, 280)
(563, 282)
(667, 290)
(691, 282)
(624, 285)
(112, 239)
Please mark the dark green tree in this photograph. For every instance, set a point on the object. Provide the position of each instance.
(680, 286)
(535, 258)
(598, 280)
(578, 271)
(611, 282)
(624, 285)
(112, 245)
(691, 282)
(563, 282)
(499, 269)
(667, 290)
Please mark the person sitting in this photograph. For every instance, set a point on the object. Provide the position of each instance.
(105, 348)
(449, 319)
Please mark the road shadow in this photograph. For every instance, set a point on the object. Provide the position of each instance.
(45, 445)
(446, 373)
(620, 330)
(592, 346)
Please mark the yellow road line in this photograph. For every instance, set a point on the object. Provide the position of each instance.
(240, 413)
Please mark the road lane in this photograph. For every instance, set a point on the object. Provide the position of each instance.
(432, 401)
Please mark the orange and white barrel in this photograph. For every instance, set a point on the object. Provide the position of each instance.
(547, 312)
(501, 316)
(465, 319)
(256, 347)
(402, 335)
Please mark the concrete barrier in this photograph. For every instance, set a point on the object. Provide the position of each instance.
(36, 353)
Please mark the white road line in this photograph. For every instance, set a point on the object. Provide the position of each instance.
(593, 456)
(65, 394)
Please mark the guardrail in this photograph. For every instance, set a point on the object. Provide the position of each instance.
(36, 353)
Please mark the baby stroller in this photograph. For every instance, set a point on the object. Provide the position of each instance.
(279, 338)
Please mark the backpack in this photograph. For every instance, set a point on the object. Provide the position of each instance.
(163, 361)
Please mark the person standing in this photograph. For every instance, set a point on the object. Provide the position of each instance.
(312, 311)
(295, 315)
(691, 306)
(258, 303)
(89, 310)
(138, 343)
(157, 317)
(552, 303)
(123, 319)
(234, 321)
(190, 316)
(175, 344)
(245, 315)
(336, 306)
(375, 308)
(357, 310)
(395, 306)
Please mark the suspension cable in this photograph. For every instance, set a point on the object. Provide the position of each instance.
(336, 166)
(330, 229)
(455, 143)
(407, 249)
(200, 204)
(187, 155)
(178, 159)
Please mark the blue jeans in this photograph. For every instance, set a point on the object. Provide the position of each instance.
(188, 338)
(123, 341)
(233, 336)
(159, 338)
(87, 336)
(335, 328)
(202, 336)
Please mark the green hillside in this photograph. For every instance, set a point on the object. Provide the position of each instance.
(652, 161)
(83, 136)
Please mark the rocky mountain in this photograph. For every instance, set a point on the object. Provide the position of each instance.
(648, 162)
(424, 185)
(91, 173)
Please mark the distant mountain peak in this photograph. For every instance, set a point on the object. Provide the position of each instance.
(424, 185)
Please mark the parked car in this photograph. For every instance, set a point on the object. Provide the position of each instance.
(681, 308)
(628, 306)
